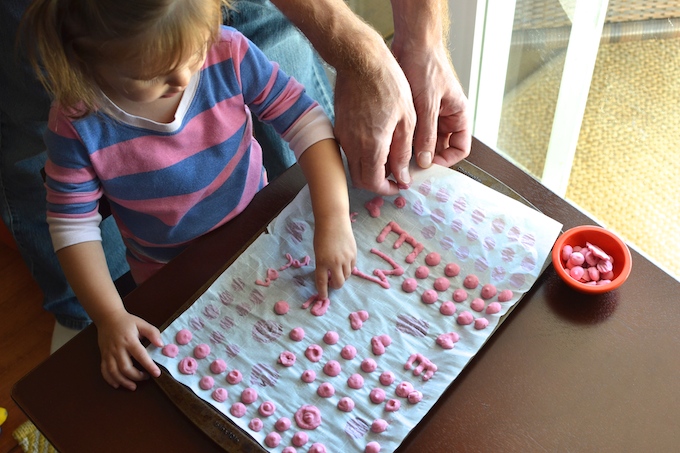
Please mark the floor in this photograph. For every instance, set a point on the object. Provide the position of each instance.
(26, 334)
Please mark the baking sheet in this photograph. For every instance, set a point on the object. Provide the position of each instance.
(498, 239)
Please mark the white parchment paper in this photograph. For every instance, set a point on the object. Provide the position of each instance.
(498, 239)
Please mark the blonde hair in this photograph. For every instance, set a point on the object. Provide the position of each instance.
(66, 38)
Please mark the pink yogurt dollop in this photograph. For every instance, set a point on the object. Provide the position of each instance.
(220, 395)
(297, 334)
(325, 390)
(308, 376)
(332, 368)
(386, 378)
(267, 408)
(348, 352)
(379, 425)
(238, 410)
(282, 424)
(234, 377)
(317, 448)
(170, 350)
(300, 438)
(187, 365)
(218, 366)
(331, 337)
(206, 382)
(355, 381)
(377, 395)
(465, 318)
(201, 351)
(183, 337)
(447, 308)
(368, 365)
(272, 439)
(451, 270)
(308, 417)
(346, 404)
(249, 395)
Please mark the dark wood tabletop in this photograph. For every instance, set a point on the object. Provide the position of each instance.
(564, 372)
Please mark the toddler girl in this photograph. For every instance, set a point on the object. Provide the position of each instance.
(152, 103)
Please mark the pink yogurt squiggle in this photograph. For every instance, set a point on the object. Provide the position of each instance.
(424, 364)
(295, 263)
(319, 306)
(403, 237)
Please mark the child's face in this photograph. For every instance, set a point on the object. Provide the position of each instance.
(126, 82)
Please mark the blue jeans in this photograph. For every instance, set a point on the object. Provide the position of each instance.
(24, 107)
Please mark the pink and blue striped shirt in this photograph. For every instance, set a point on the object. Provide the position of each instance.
(168, 184)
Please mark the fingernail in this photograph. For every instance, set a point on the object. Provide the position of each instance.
(405, 176)
(424, 159)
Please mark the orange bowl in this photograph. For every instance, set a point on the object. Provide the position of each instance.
(610, 243)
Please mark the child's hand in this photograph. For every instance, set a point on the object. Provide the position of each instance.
(335, 253)
(119, 343)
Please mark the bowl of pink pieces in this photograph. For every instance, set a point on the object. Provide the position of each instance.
(591, 259)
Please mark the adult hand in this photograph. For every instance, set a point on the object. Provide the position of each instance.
(374, 124)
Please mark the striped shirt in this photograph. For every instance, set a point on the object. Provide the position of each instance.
(170, 183)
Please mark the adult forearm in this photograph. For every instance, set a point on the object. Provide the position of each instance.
(419, 24)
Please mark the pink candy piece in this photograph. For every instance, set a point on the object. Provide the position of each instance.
(505, 295)
(477, 304)
(392, 405)
(377, 395)
(314, 353)
(346, 404)
(471, 281)
(355, 381)
(308, 376)
(386, 378)
(441, 284)
(429, 296)
(267, 408)
(348, 352)
(451, 270)
(281, 307)
(255, 424)
(331, 337)
(220, 395)
(465, 318)
(272, 439)
(206, 383)
(238, 410)
(409, 285)
(481, 323)
(576, 272)
(325, 390)
(432, 259)
(249, 395)
(488, 291)
(287, 359)
(372, 447)
(300, 438)
(170, 350)
(368, 365)
(332, 368)
(447, 308)
(218, 366)
(187, 365)
(567, 250)
(183, 337)
(576, 259)
(460, 295)
(234, 377)
(297, 334)
(493, 308)
(201, 351)
(422, 272)
(379, 425)
(282, 424)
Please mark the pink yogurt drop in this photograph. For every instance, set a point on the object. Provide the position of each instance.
(493, 308)
(248, 395)
(471, 281)
(459, 295)
(377, 395)
(409, 285)
(422, 272)
(372, 447)
(368, 365)
(447, 340)
(429, 296)
(317, 448)
(451, 270)
(297, 334)
(206, 382)
(300, 438)
(331, 337)
(282, 424)
(325, 390)
(314, 353)
(267, 408)
(187, 365)
(201, 351)
(488, 291)
(308, 417)
(441, 284)
(346, 404)
(220, 395)
(348, 352)
(332, 368)
(481, 323)
(170, 350)
(183, 337)
(355, 381)
(308, 376)
(272, 439)
(465, 318)
(447, 308)
(281, 307)
(234, 377)
(379, 425)
(403, 389)
(392, 405)
(218, 366)
(415, 397)
(399, 202)
(256, 425)
(386, 378)
(477, 304)
(433, 259)
(289, 449)
(238, 410)
(505, 295)
(287, 359)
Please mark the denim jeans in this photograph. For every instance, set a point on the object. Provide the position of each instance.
(24, 107)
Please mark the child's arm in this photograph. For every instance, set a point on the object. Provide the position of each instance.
(335, 249)
(119, 332)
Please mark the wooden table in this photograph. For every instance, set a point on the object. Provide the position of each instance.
(565, 371)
